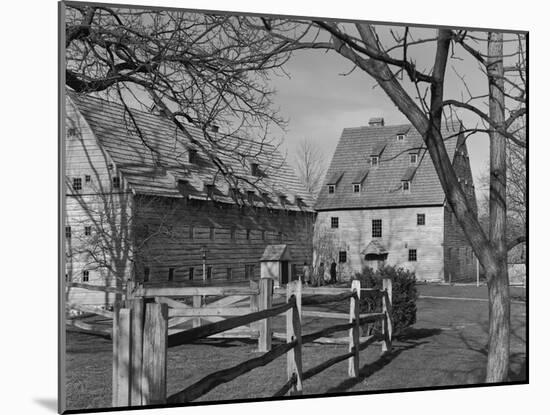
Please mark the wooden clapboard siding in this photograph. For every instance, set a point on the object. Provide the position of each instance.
(400, 233)
(165, 225)
(106, 253)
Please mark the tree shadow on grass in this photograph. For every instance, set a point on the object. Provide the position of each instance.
(517, 359)
(408, 339)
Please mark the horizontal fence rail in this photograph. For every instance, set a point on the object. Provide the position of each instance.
(196, 333)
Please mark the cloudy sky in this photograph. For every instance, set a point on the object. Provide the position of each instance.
(319, 102)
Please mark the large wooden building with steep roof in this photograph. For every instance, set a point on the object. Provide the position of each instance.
(382, 203)
(145, 202)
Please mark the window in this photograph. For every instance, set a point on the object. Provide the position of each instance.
(420, 219)
(67, 231)
(85, 276)
(191, 232)
(400, 137)
(116, 182)
(412, 254)
(374, 161)
(413, 158)
(212, 233)
(263, 235)
(334, 222)
(170, 274)
(72, 132)
(377, 228)
(229, 273)
(255, 169)
(191, 273)
(146, 272)
(88, 178)
(192, 156)
(406, 186)
(233, 234)
(342, 256)
(331, 189)
(209, 273)
(66, 277)
(356, 188)
(87, 230)
(248, 234)
(280, 237)
(77, 183)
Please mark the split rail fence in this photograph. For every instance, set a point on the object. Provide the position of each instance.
(147, 326)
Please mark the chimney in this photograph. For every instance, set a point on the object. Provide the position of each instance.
(376, 122)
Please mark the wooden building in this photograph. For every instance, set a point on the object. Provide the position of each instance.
(146, 202)
(382, 203)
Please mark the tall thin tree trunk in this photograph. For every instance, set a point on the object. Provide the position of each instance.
(497, 279)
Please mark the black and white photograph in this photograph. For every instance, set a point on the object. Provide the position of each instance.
(266, 207)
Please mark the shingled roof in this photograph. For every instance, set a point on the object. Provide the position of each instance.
(382, 184)
(159, 166)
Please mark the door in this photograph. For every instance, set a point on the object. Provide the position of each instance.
(284, 272)
(375, 261)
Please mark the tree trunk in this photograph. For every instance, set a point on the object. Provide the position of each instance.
(499, 294)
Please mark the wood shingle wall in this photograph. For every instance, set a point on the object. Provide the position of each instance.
(174, 233)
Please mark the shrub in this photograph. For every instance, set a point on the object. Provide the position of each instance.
(404, 295)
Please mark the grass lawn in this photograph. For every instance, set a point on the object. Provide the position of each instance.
(447, 346)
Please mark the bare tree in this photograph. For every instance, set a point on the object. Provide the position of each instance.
(419, 93)
(205, 70)
(311, 165)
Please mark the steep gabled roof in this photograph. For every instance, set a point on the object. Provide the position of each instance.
(382, 186)
(159, 165)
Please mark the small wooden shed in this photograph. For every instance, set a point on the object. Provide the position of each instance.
(275, 264)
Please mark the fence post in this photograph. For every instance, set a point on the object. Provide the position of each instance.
(136, 350)
(254, 305)
(294, 332)
(122, 358)
(353, 362)
(114, 336)
(386, 309)
(197, 303)
(155, 336)
(265, 302)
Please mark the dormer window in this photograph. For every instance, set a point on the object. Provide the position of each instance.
(116, 182)
(282, 199)
(406, 186)
(374, 160)
(331, 189)
(357, 188)
(192, 155)
(400, 137)
(254, 169)
(413, 158)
